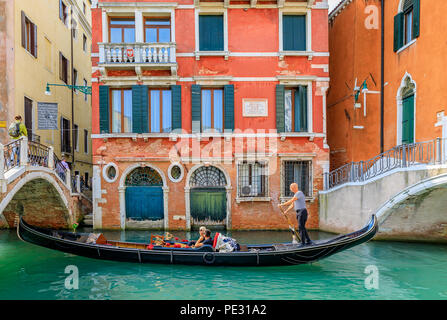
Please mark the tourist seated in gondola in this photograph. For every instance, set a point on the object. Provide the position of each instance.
(202, 230)
(208, 240)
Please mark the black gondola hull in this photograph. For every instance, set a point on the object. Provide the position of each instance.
(257, 255)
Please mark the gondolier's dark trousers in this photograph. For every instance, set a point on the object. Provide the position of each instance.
(301, 217)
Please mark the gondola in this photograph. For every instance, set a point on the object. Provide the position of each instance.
(96, 246)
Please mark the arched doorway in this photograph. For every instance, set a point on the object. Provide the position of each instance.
(208, 197)
(406, 103)
(144, 195)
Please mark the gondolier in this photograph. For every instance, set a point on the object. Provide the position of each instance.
(298, 202)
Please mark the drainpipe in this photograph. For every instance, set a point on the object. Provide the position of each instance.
(72, 91)
(382, 72)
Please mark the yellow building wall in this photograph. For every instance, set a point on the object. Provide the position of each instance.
(32, 74)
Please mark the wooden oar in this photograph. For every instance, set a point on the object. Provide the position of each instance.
(291, 227)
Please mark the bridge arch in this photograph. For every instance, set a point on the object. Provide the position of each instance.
(417, 189)
(27, 181)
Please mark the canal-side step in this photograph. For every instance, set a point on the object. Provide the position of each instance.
(88, 220)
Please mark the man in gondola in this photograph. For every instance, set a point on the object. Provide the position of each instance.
(298, 202)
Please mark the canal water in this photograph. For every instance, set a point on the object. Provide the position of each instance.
(375, 270)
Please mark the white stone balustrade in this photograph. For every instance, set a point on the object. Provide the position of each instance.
(141, 53)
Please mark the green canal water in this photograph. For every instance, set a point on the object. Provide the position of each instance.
(405, 271)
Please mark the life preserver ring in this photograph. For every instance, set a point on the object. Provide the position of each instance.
(208, 257)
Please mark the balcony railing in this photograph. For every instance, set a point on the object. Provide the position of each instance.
(137, 53)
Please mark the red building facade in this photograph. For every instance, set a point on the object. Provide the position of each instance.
(204, 112)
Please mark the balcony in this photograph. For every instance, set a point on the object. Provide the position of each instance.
(140, 56)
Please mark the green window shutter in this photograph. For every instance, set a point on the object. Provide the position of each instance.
(104, 118)
(280, 113)
(229, 107)
(176, 94)
(196, 108)
(140, 120)
(294, 32)
(408, 120)
(398, 31)
(301, 109)
(416, 17)
(211, 33)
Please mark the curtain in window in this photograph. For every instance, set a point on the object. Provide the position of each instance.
(167, 111)
(116, 111)
(218, 110)
(155, 111)
(127, 110)
(288, 111)
(206, 110)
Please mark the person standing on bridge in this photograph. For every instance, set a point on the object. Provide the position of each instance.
(298, 202)
(16, 131)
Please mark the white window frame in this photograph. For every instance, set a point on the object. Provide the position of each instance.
(296, 11)
(211, 11)
(139, 11)
(308, 158)
(294, 83)
(267, 197)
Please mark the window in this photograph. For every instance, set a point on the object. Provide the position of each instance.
(298, 172)
(252, 179)
(63, 12)
(87, 183)
(85, 87)
(85, 141)
(63, 68)
(65, 135)
(157, 30)
(212, 110)
(75, 79)
(121, 110)
(407, 24)
(76, 137)
(211, 33)
(122, 30)
(294, 32)
(160, 111)
(74, 27)
(29, 35)
(84, 43)
(84, 10)
(295, 108)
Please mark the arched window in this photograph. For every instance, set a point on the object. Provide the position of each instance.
(406, 23)
(208, 177)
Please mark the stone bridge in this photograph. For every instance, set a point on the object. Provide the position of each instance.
(406, 187)
(35, 184)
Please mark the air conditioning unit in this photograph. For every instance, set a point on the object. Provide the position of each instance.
(246, 190)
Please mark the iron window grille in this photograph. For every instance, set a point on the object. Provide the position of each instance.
(252, 179)
(144, 176)
(208, 177)
(300, 173)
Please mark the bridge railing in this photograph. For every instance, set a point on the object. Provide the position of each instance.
(11, 155)
(407, 155)
(38, 154)
(23, 152)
